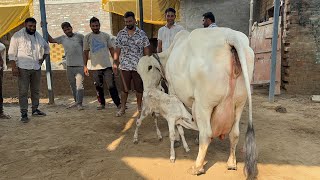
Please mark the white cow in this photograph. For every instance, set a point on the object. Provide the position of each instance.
(204, 73)
(169, 107)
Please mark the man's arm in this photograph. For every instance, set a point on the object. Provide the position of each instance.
(159, 48)
(46, 52)
(51, 40)
(85, 61)
(1, 61)
(111, 50)
(146, 51)
(15, 69)
(116, 62)
(13, 53)
(2, 50)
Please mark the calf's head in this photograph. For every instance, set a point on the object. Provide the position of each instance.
(150, 71)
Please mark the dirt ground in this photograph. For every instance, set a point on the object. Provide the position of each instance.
(92, 144)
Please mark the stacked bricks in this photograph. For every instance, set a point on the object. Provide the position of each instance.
(301, 38)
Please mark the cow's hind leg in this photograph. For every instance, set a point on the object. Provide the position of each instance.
(234, 138)
(143, 115)
(203, 120)
(184, 142)
(156, 116)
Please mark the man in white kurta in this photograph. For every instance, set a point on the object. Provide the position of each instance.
(166, 33)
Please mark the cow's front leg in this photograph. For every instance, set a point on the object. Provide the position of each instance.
(143, 115)
(203, 120)
(155, 116)
(234, 138)
(171, 124)
(184, 142)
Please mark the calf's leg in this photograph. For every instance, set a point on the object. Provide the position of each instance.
(156, 116)
(171, 124)
(143, 115)
(184, 142)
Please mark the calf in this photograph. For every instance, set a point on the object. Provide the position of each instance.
(172, 109)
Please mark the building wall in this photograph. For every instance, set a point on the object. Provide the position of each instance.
(60, 84)
(301, 63)
(231, 13)
(78, 13)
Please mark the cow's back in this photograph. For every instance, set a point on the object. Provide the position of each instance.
(200, 63)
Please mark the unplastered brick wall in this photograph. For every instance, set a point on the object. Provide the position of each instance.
(301, 62)
(60, 84)
(78, 14)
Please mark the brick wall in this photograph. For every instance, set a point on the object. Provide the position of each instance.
(301, 63)
(78, 14)
(60, 84)
(231, 13)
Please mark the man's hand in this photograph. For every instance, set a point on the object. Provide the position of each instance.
(41, 24)
(40, 61)
(85, 70)
(15, 71)
(115, 69)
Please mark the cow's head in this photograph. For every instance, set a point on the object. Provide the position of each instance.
(150, 71)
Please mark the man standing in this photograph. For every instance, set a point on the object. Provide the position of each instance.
(73, 47)
(26, 52)
(166, 33)
(98, 44)
(131, 44)
(209, 20)
(2, 62)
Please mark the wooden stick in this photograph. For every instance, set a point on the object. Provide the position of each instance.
(123, 82)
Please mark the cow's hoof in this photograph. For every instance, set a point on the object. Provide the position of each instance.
(187, 149)
(232, 167)
(177, 144)
(135, 141)
(160, 139)
(172, 160)
(196, 171)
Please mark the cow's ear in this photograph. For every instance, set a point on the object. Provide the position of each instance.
(150, 67)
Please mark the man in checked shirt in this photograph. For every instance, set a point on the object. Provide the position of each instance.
(131, 44)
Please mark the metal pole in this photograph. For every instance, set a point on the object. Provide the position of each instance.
(274, 50)
(48, 64)
(141, 13)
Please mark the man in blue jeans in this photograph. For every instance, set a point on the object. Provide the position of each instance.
(26, 52)
(73, 47)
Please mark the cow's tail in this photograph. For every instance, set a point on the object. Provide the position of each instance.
(251, 155)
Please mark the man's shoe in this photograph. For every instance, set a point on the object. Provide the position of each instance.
(37, 112)
(100, 107)
(80, 107)
(4, 116)
(72, 105)
(24, 118)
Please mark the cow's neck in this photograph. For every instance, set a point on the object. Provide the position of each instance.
(163, 56)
